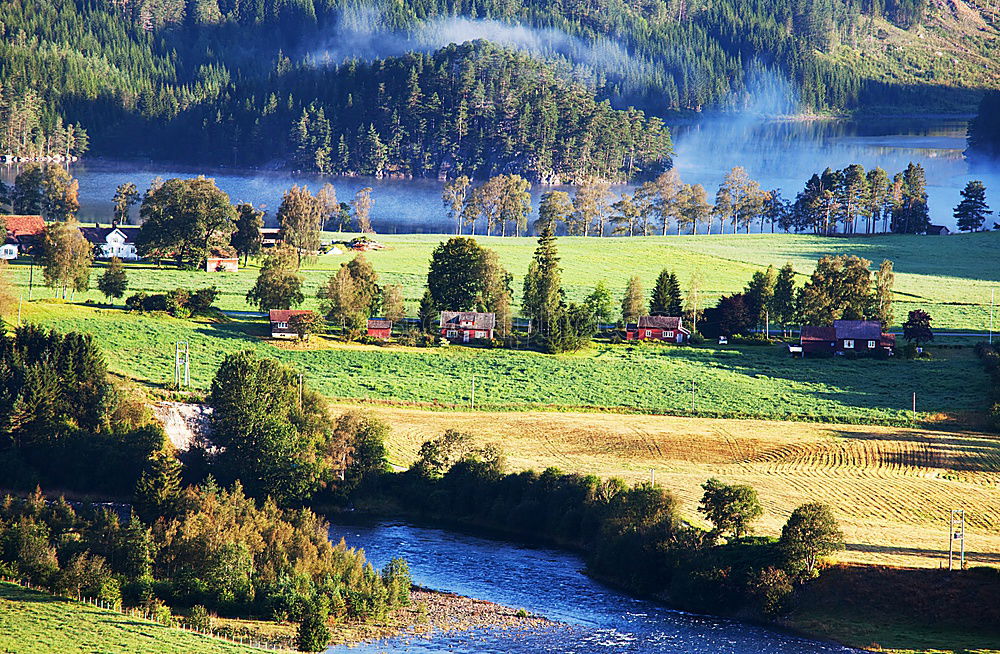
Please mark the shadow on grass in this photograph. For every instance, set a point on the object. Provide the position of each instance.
(940, 556)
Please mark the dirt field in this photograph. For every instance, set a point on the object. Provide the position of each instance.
(892, 488)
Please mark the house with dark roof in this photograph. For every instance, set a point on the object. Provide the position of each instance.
(938, 230)
(114, 241)
(281, 322)
(380, 328)
(465, 326)
(658, 328)
(858, 336)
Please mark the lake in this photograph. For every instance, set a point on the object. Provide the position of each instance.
(549, 583)
(779, 154)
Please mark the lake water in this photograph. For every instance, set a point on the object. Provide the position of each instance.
(549, 583)
(779, 154)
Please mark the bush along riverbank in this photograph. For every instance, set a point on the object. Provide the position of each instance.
(634, 538)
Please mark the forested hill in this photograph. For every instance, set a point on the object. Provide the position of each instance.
(228, 81)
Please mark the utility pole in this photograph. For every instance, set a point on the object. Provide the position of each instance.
(301, 377)
(956, 532)
(182, 364)
(692, 396)
(473, 403)
(914, 408)
(31, 277)
(993, 294)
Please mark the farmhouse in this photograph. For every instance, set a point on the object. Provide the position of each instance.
(464, 326)
(859, 336)
(380, 328)
(23, 233)
(660, 328)
(280, 319)
(221, 261)
(113, 241)
(938, 230)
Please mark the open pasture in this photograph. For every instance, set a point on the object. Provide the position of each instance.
(950, 276)
(750, 381)
(891, 488)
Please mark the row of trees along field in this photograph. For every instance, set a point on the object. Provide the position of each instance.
(632, 536)
(176, 79)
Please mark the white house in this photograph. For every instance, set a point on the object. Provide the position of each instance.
(113, 241)
(9, 249)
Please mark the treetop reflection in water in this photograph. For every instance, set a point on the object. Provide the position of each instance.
(778, 154)
(550, 583)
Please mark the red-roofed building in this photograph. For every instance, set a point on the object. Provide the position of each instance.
(465, 326)
(280, 318)
(23, 233)
(659, 328)
(379, 328)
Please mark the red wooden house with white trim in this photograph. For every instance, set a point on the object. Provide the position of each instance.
(658, 328)
(465, 326)
(862, 337)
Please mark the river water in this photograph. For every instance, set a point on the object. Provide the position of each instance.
(549, 583)
(779, 154)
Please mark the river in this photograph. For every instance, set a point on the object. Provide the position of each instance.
(549, 583)
(779, 154)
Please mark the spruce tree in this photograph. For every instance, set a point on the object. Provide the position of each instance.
(426, 311)
(660, 300)
(542, 300)
(972, 211)
(784, 296)
(884, 280)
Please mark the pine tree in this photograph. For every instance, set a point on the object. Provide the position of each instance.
(972, 211)
(427, 313)
(542, 300)
(660, 299)
(676, 304)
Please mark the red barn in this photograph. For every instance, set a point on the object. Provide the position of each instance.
(859, 336)
(23, 232)
(379, 328)
(658, 328)
(465, 326)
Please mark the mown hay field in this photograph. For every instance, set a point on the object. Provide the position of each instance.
(950, 277)
(32, 622)
(891, 488)
(750, 381)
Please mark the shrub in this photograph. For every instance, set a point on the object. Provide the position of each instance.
(313, 635)
(696, 339)
(771, 588)
(199, 618)
(135, 302)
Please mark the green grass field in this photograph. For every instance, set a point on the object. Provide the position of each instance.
(752, 381)
(950, 277)
(32, 622)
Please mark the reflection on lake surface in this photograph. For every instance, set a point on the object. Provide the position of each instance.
(550, 583)
(779, 154)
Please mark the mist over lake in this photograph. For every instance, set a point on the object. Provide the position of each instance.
(777, 153)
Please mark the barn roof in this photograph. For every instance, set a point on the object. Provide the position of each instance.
(24, 225)
(661, 322)
(858, 329)
(815, 333)
(283, 315)
(217, 253)
(479, 320)
(379, 323)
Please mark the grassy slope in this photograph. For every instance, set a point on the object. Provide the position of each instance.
(757, 381)
(954, 47)
(949, 277)
(33, 622)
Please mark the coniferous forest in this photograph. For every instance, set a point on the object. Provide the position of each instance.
(249, 83)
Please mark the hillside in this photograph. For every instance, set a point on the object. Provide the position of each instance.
(223, 82)
(32, 622)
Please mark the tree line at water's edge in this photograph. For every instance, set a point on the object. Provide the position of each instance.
(214, 81)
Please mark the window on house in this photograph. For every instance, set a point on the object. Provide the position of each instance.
(452, 333)
(871, 345)
(670, 334)
(649, 333)
(282, 325)
(848, 345)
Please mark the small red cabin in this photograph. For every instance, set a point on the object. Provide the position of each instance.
(379, 328)
(658, 328)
